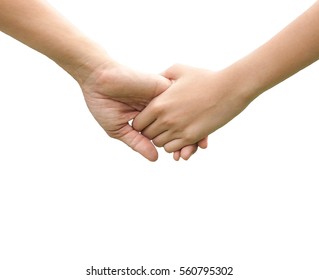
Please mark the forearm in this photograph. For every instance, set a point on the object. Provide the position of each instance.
(291, 50)
(36, 24)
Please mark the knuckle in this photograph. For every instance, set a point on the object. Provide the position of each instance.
(168, 122)
(158, 107)
(189, 137)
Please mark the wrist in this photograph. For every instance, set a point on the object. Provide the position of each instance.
(245, 81)
(82, 59)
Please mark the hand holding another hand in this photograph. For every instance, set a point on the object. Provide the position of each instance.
(198, 103)
(116, 94)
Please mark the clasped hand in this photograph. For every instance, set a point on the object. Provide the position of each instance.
(115, 95)
(176, 111)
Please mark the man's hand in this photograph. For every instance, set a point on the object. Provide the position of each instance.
(114, 93)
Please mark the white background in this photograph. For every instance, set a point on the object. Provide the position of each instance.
(71, 197)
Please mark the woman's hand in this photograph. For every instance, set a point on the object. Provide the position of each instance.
(198, 103)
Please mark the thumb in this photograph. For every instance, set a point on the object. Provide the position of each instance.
(138, 142)
(174, 72)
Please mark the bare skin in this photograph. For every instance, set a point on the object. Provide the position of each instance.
(114, 93)
(200, 101)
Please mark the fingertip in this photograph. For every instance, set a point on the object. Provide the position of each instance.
(153, 157)
(186, 157)
(149, 152)
(177, 155)
(203, 144)
(135, 124)
(140, 144)
(138, 123)
(188, 151)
